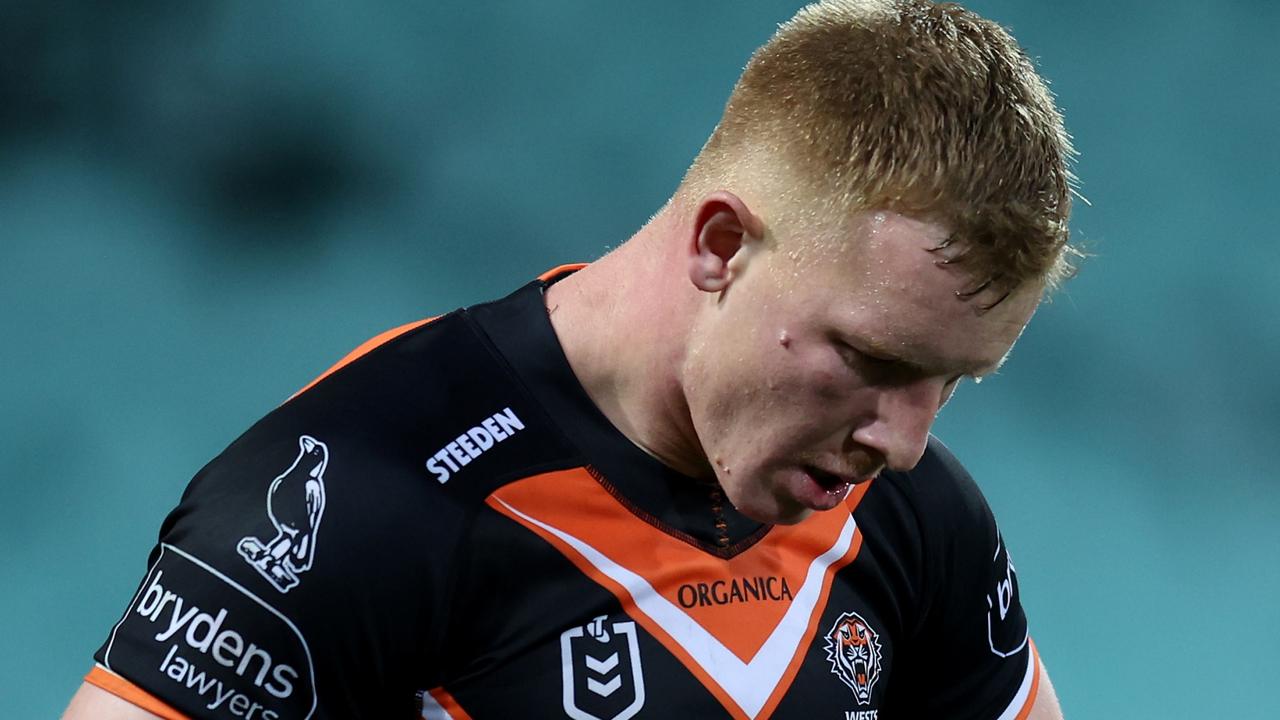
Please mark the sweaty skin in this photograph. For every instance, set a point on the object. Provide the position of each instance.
(787, 365)
(754, 358)
(761, 357)
(877, 341)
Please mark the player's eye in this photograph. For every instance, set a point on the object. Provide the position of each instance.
(878, 361)
(875, 367)
(856, 358)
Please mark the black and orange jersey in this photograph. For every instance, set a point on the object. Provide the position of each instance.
(447, 527)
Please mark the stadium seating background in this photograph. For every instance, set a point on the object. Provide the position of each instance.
(202, 205)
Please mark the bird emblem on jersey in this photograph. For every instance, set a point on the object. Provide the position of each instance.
(853, 648)
(295, 504)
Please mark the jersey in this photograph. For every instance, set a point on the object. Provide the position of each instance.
(448, 527)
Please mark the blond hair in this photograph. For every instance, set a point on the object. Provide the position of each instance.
(906, 105)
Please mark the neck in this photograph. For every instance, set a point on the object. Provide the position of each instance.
(623, 322)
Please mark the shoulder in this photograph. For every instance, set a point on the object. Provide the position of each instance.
(936, 521)
(398, 445)
(395, 448)
(313, 562)
(941, 493)
(433, 406)
(967, 568)
(968, 646)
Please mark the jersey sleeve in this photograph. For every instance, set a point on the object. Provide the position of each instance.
(309, 571)
(295, 579)
(972, 656)
(306, 571)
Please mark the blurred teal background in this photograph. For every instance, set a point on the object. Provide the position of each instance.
(203, 205)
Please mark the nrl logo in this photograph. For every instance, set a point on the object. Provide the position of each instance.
(601, 671)
(854, 651)
(295, 504)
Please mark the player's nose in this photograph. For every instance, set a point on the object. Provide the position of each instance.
(899, 426)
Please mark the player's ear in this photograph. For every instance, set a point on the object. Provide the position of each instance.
(725, 233)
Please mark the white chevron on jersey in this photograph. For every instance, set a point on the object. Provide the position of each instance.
(751, 683)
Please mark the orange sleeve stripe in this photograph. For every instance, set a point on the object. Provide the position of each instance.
(127, 691)
(560, 270)
(1035, 683)
(393, 333)
(364, 348)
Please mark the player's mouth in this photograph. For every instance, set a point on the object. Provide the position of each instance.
(820, 489)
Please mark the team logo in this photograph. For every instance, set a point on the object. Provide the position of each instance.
(601, 671)
(295, 504)
(853, 648)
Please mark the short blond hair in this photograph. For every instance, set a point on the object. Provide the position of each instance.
(906, 105)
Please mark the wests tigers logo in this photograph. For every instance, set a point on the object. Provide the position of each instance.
(853, 648)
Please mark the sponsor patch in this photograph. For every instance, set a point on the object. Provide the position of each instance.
(1006, 624)
(601, 671)
(853, 648)
(295, 505)
(474, 442)
(203, 643)
(768, 588)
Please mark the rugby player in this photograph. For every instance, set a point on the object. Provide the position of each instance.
(694, 478)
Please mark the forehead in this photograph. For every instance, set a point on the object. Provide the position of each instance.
(880, 283)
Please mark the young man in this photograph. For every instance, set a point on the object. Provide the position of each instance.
(692, 479)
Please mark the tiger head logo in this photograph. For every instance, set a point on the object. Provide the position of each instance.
(853, 648)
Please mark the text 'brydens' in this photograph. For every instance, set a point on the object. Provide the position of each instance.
(204, 633)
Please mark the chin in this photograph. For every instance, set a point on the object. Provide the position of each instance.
(792, 517)
(768, 509)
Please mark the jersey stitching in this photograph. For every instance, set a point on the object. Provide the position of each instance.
(724, 553)
(751, 684)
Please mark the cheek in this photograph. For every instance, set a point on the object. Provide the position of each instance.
(817, 375)
(788, 380)
(725, 390)
(831, 386)
(806, 401)
(768, 391)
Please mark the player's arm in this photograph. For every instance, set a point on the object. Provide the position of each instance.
(1046, 704)
(93, 703)
(234, 613)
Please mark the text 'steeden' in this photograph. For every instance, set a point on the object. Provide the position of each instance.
(474, 442)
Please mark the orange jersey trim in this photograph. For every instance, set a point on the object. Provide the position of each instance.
(127, 691)
(560, 270)
(574, 513)
(385, 337)
(365, 348)
(1025, 712)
